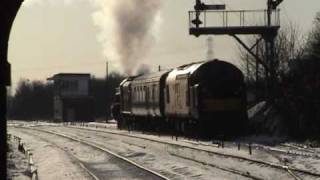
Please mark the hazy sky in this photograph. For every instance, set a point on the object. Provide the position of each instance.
(53, 36)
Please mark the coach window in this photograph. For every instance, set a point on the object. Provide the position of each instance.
(140, 94)
(168, 95)
(135, 94)
(153, 93)
(187, 96)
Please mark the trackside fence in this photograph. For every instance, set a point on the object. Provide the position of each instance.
(26, 151)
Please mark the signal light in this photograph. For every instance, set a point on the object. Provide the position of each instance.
(197, 22)
(200, 6)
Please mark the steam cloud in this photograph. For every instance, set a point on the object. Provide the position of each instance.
(127, 28)
(132, 26)
(143, 69)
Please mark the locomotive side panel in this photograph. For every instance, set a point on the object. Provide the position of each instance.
(178, 92)
(177, 96)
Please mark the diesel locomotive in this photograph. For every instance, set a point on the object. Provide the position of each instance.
(205, 99)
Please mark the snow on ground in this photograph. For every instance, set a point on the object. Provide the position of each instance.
(153, 156)
(17, 164)
(101, 164)
(52, 163)
(256, 109)
(167, 159)
(306, 163)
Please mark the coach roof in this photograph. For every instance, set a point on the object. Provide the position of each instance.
(154, 75)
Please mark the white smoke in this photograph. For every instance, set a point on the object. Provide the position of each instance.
(143, 69)
(127, 28)
(29, 3)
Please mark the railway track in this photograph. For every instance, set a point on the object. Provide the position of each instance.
(302, 150)
(284, 152)
(290, 150)
(294, 173)
(135, 170)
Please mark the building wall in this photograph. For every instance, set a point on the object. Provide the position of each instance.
(58, 109)
(72, 86)
(71, 98)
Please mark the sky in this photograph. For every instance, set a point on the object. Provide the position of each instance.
(79, 36)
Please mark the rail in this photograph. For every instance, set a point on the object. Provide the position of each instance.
(154, 173)
(289, 169)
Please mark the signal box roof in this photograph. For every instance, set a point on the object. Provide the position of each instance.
(64, 75)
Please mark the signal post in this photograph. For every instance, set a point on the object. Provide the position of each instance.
(206, 20)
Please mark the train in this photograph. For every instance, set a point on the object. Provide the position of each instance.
(203, 99)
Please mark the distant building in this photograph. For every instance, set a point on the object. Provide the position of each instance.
(72, 101)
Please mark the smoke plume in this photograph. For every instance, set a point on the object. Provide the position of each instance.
(143, 69)
(127, 28)
(129, 33)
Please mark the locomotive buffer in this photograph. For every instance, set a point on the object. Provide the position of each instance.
(216, 20)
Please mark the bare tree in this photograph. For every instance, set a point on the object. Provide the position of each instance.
(313, 44)
(297, 76)
(288, 49)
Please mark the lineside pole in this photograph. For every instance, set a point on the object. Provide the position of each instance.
(270, 54)
(257, 72)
